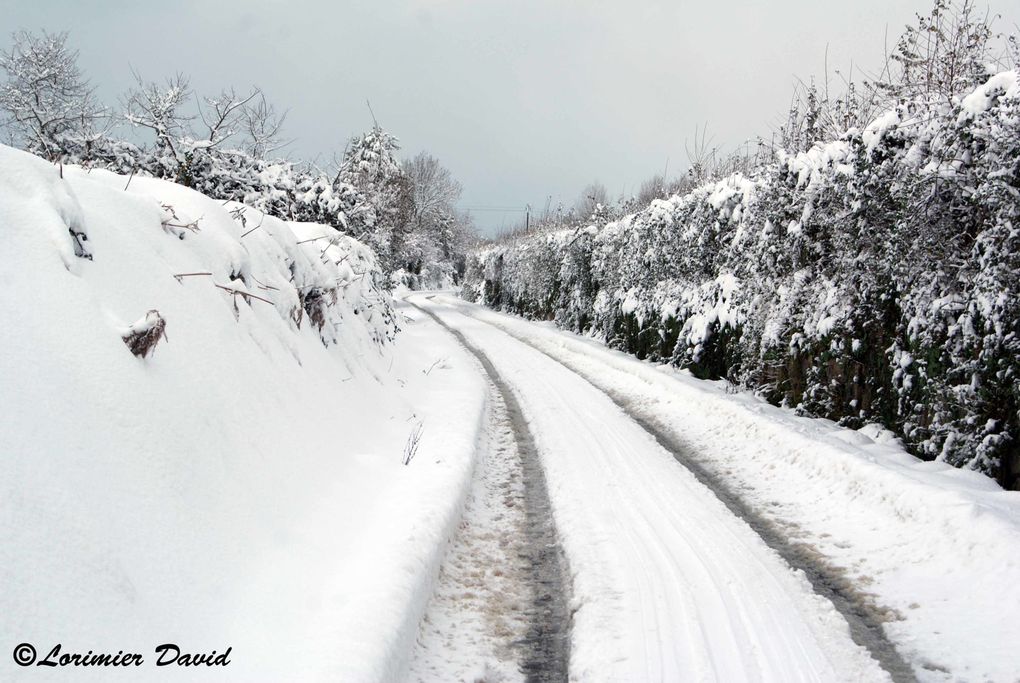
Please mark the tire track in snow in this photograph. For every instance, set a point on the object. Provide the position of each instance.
(863, 616)
(477, 616)
(545, 646)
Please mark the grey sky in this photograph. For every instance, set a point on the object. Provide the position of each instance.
(521, 99)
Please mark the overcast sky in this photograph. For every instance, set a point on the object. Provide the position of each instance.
(521, 99)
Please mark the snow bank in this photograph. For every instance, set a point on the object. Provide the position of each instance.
(241, 486)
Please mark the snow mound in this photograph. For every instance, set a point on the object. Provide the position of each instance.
(240, 484)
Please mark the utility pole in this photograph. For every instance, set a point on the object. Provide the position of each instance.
(527, 218)
(374, 122)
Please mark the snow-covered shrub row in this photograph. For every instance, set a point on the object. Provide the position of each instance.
(371, 197)
(310, 274)
(404, 211)
(51, 110)
(872, 278)
(277, 187)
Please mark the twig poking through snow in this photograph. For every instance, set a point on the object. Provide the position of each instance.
(236, 292)
(413, 441)
(245, 295)
(263, 285)
(255, 228)
(433, 366)
(180, 276)
(177, 228)
(238, 215)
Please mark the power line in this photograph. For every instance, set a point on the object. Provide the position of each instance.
(497, 209)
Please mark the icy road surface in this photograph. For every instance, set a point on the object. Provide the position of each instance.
(667, 584)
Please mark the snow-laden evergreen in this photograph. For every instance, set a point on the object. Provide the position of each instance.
(874, 278)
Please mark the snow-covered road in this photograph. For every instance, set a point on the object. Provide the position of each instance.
(666, 582)
(500, 609)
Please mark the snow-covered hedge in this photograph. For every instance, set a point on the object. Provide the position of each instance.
(873, 278)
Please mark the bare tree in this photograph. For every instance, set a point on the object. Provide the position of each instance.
(158, 108)
(433, 191)
(702, 156)
(50, 105)
(944, 55)
(594, 196)
(224, 115)
(653, 188)
(263, 126)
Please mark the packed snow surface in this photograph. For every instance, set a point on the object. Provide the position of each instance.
(666, 583)
(936, 548)
(477, 620)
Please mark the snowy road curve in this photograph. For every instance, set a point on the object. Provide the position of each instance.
(667, 584)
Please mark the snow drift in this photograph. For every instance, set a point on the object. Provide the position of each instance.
(240, 483)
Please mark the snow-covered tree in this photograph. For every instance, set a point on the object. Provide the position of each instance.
(50, 107)
(370, 165)
(370, 162)
(433, 191)
(225, 155)
(430, 242)
(160, 108)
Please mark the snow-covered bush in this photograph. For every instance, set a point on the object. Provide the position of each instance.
(872, 278)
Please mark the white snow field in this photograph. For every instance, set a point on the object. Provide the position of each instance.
(667, 585)
(243, 486)
(240, 487)
(934, 549)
